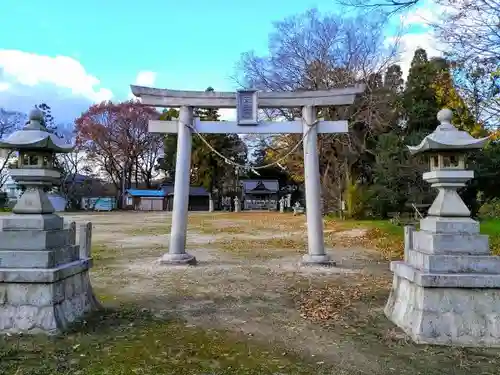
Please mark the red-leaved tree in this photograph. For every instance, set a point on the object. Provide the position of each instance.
(117, 143)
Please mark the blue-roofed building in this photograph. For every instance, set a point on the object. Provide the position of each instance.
(145, 200)
(163, 199)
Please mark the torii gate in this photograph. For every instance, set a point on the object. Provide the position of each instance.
(247, 103)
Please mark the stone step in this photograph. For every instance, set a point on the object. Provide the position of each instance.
(35, 239)
(453, 263)
(457, 243)
(44, 275)
(445, 280)
(39, 258)
(31, 222)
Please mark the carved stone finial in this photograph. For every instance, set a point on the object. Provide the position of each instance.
(36, 115)
(444, 116)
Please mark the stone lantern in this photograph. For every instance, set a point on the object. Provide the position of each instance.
(447, 148)
(446, 291)
(34, 171)
(44, 279)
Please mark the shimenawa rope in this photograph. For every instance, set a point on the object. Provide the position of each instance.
(247, 167)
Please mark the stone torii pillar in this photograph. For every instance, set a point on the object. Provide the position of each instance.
(177, 252)
(314, 216)
(247, 103)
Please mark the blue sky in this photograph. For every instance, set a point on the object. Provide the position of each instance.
(71, 55)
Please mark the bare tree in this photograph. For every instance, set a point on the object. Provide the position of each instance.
(469, 33)
(466, 27)
(146, 160)
(116, 140)
(9, 122)
(311, 51)
(471, 28)
(76, 170)
(478, 83)
(389, 6)
(314, 51)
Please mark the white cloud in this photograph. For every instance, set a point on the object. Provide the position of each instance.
(30, 69)
(62, 82)
(410, 42)
(148, 78)
(425, 14)
(227, 114)
(145, 78)
(419, 33)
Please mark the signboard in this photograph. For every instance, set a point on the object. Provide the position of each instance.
(246, 107)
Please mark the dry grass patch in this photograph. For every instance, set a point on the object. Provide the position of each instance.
(132, 341)
(232, 229)
(245, 222)
(353, 310)
(106, 255)
(260, 248)
(239, 318)
(383, 236)
(153, 230)
(339, 302)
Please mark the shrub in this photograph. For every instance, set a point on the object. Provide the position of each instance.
(490, 209)
(357, 199)
(3, 199)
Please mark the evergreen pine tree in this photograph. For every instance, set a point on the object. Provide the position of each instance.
(419, 99)
(393, 79)
(210, 169)
(207, 114)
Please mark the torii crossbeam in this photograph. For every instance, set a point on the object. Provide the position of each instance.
(247, 103)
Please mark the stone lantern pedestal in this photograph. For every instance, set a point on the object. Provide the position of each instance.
(44, 274)
(446, 291)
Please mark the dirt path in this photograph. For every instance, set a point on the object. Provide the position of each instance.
(249, 280)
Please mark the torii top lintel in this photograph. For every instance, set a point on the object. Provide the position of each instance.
(202, 99)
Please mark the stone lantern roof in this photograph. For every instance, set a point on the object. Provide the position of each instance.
(34, 136)
(447, 138)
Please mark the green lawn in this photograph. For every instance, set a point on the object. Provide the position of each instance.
(492, 229)
(489, 227)
(388, 237)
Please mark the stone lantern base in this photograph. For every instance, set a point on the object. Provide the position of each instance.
(44, 274)
(447, 289)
